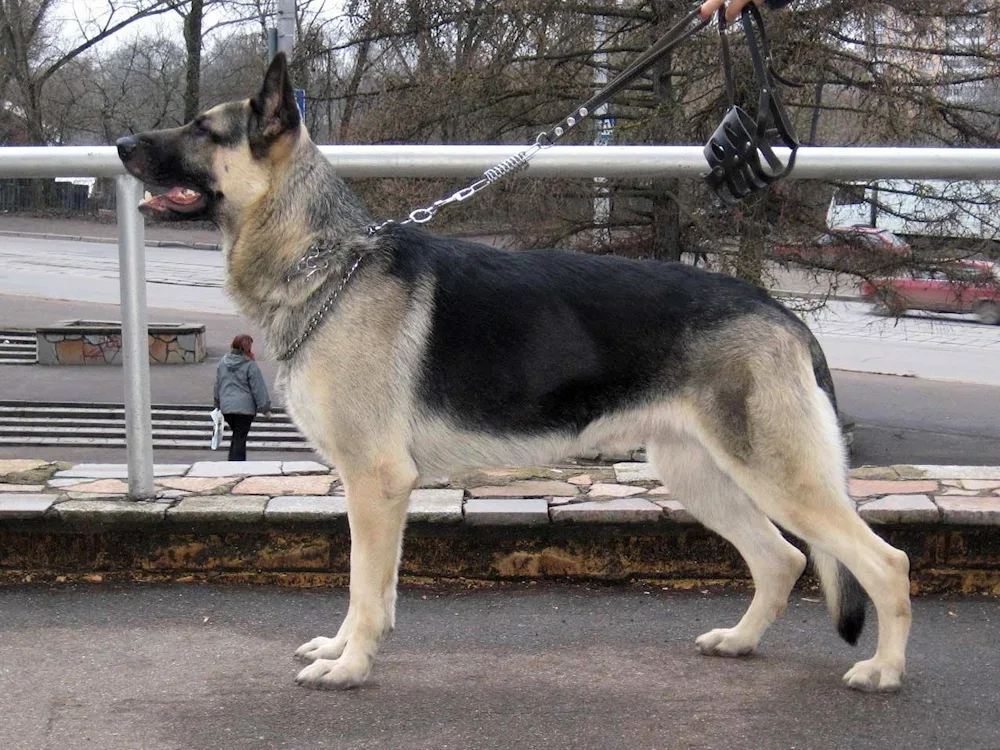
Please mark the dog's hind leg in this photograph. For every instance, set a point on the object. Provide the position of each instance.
(377, 499)
(795, 474)
(689, 472)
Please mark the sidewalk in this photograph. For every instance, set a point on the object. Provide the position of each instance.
(200, 236)
(285, 522)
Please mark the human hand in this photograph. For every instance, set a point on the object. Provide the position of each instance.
(733, 8)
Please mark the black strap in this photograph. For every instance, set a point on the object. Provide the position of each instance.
(740, 153)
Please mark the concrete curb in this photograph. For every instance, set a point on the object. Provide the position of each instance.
(611, 522)
(109, 240)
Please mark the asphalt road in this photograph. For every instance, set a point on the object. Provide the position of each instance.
(517, 666)
(912, 420)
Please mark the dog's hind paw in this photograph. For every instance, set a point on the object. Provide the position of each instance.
(873, 675)
(321, 648)
(327, 674)
(725, 642)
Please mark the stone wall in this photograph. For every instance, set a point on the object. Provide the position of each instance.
(92, 342)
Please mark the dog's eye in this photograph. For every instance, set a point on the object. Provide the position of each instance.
(201, 128)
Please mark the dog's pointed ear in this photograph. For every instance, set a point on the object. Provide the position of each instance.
(274, 110)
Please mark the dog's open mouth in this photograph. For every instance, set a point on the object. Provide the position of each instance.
(178, 199)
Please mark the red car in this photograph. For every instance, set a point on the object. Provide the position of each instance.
(842, 244)
(959, 286)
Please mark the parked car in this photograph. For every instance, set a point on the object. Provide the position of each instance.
(844, 246)
(958, 286)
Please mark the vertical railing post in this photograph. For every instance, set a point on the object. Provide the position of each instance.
(135, 338)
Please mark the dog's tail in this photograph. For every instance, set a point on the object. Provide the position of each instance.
(845, 598)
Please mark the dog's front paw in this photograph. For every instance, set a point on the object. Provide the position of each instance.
(321, 648)
(873, 676)
(327, 674)
(725, 642)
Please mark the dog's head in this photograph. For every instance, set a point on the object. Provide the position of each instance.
(217, 166)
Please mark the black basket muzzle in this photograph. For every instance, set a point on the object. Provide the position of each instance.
(741, 152)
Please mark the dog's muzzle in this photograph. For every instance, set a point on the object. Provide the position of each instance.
(126, 146)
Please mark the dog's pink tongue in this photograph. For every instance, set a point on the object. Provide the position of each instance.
(176, 198)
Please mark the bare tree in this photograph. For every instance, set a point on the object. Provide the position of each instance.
(35, 55)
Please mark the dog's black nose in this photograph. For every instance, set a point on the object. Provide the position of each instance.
(126, 145)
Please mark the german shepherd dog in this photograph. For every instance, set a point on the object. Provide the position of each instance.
(406, 355)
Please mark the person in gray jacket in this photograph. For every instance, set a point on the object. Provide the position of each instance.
(240, 392)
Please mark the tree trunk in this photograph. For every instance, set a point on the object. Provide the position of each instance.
(350, 95)
(192, 44)
(666, 225)
(749, 261)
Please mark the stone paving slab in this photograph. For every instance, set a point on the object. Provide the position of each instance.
(979, 484)
(235, 469)
(117, 471)
(620, 510)
(874, 487)
(218, 508)
(675, 511)
(98, 486)
(983, 511)
(289, 468)
(110, 512)
(221, 491)
(602, 490)
(61, 483)
(958, 472)
(901, 509)
(298, 508)
(209, 485)
(435, 506)
(285, 485)
(20, 465)
(515, 511)
(526, 489)
(20, 507)
(630, 471)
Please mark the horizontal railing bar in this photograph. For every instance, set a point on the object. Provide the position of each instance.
(357, 161)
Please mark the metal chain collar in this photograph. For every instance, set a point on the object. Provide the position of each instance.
(317, 316)
(315, 260)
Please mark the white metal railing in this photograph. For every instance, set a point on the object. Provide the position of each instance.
(867, 163)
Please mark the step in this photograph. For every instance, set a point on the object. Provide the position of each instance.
(112, 430)
(74, 412)
(173, 424)
(119, 442)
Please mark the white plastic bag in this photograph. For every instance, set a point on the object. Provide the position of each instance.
(217, 421)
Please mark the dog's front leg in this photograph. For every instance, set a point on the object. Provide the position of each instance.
(377, 500)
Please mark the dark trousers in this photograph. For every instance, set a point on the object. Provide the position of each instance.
(240, 425)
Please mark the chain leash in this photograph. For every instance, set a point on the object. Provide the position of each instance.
(689, 25)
